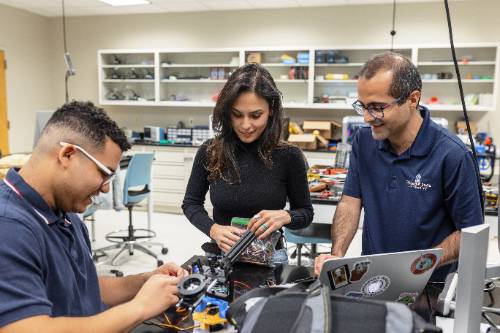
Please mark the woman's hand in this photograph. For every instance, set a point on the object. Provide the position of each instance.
(225, 235)
(264, 223)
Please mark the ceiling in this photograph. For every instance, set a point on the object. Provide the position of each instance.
(52, 8)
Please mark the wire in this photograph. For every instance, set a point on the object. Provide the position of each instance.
(457, 71)
(64, 27)
(393, 31)
(242, 284)
(488, 319)
(65, 50)
(178, 328)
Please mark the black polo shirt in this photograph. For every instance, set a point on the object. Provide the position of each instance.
(414, 200)
(46, 265)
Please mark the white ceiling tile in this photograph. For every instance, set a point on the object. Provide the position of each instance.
(96, 7)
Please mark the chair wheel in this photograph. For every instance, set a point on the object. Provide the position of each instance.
(164, 250)
(159, 263)
(117, 273)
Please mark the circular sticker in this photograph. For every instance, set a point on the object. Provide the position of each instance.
(376, 285)
(423, 263)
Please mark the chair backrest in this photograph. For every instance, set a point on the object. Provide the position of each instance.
(138, 173)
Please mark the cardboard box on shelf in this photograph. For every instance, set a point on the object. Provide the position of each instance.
(254, 57)
(304, 141)
(327, 129)
(461, 127)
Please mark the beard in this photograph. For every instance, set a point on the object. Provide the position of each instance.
(379, 130)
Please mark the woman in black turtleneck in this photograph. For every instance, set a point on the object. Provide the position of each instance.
(248, 169)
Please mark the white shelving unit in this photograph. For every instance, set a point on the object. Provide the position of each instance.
(127, 77)
(292, 79)
(194, 78)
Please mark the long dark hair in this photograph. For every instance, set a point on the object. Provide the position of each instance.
(221, 160)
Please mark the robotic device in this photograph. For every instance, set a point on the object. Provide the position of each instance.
(213, 279)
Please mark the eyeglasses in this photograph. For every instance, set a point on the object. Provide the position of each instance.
(376, 110)
(108, 174)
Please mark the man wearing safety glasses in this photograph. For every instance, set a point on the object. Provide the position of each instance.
(48, 280)
(416, 181)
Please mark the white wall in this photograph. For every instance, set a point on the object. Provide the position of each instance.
(26, 41)
(345, 25)
(305, 27)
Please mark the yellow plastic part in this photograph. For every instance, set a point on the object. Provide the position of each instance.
(207, 320)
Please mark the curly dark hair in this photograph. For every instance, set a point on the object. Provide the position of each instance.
(405, 77)
(89, 122)
(221, 160)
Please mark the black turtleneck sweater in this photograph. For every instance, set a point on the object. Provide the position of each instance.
(260, 188)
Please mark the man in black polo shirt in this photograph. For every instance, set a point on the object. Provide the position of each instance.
(417, 182)
(48, 282)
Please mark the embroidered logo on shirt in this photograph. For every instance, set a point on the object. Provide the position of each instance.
(417, 184)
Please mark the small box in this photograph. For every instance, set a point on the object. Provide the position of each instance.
(304, 141)
(254, 57)
(327, 129)
(461, 127)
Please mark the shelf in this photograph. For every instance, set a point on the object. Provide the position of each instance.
(457, 107)
(295, 105)
(456, 81)
(196, 65)
(187, 64)
(283, 65)
(333, 106)
(130, 80)
(128, 66)
(291, 81)
(193, 81)
(188, 103)
(127, 102)
(350, 64)
(335, 81)
(450, 63)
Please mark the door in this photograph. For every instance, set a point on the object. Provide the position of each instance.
(4, 124)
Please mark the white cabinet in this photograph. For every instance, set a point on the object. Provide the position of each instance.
(172, 169)
(315, 78)
(478, 72)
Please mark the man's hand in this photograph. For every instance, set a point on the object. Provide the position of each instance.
(171, 269)
(225, 236)
(320, 260)
(156, 295)
(264, 223)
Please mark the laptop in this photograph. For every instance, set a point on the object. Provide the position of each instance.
(399, 276)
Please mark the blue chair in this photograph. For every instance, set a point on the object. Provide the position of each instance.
(135, 190)
(314, 234)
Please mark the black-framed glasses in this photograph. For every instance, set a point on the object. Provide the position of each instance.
(376, 110)
(107, 173)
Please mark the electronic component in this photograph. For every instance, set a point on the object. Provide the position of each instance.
(212, 279)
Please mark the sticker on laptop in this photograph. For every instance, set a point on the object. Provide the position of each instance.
(339, 277)
(407, 298)
(423, 263)
(359, 269)
(376, 285)
(354, 294)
